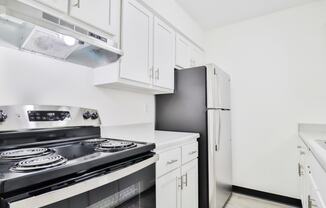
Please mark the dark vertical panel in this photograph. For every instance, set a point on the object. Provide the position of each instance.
(186, 111)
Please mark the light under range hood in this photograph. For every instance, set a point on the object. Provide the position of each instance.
(27, 28)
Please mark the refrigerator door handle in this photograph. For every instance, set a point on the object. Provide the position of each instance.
(218, 143)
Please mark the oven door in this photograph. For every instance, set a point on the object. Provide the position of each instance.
(130, 187)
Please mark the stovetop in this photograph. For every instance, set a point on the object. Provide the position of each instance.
(68, 145)
(80, 156)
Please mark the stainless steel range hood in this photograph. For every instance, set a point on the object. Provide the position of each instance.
(27, 28)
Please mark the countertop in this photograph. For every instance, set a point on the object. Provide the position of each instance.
(168, 139)
(310, 134)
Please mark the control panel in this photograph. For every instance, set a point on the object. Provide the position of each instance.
(18, 117)
(48, 115)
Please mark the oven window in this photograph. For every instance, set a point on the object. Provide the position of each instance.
(134, 191)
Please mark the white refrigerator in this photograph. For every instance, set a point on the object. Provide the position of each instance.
(201, 103)
(219, 138)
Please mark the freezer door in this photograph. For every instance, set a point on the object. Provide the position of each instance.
(212, 92)
(218, 88)
(223, 89)
(219, 158)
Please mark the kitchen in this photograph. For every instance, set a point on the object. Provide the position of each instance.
(272, 51)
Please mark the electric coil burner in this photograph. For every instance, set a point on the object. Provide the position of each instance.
(94, 141)
(18, 154)
(115, 146)
(39, 163)
(54, 156)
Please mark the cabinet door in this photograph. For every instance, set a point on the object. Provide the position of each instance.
(303, 173)
(61, 5)
(137, 42)
(196, 56)
(182, 52)
(164, 55)
(168, 190)
(102, 14)
(314, 197)
(190, 185)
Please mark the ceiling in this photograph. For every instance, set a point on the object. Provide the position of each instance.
(215, 13)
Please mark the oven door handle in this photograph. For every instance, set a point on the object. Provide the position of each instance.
(82, 187)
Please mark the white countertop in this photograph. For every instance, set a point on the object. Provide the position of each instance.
(310, 134)
(168, 139)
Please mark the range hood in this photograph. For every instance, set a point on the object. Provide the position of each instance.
(30, 29)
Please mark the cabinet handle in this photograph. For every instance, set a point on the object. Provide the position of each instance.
(310, 204)
(151, 73)
(300, 172)
(179, 182)
(302, 153)
(193, 152)
(157, 74)
(171, 162)
(185, 182)
(76, 4)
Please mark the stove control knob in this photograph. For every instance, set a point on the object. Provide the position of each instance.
(3, 116)
(94, 116)
(87, 115)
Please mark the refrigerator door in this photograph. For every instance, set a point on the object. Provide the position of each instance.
(212, 92)
(223, 89)
(218, 88)
(220, 157)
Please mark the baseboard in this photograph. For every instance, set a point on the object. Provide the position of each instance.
(264, 195)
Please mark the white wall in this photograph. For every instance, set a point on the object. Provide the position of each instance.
(177, 16)
(278, 68)
(27, 78)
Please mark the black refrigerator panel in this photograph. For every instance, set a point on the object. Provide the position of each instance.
(186, 111)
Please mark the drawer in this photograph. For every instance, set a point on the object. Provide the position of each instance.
(169, 160)
(189, 152)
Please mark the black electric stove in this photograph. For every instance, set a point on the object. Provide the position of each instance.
(36, 160)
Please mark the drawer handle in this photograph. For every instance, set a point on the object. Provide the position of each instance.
(171, 162)
(193, 152)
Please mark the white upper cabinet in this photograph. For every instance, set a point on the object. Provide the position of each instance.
(102, 14)
(196, 56)
(182, 52)
(137, 42)
(164, 55)
(60, 5)
(187, 54)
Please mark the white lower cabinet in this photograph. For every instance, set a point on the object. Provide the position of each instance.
(189, 175)
(177, 188)
(311, 179)
(314, 198)
(168, 190)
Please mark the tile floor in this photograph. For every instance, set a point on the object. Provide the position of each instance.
(243, 201)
